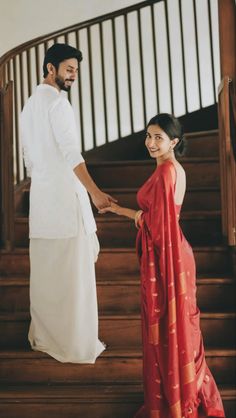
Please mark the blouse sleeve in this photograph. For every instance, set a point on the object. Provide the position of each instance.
(64, 128)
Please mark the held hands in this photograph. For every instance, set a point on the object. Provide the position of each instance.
(102, 200)
(114, 208)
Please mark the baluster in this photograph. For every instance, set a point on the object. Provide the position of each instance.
(16, 122)
(211, 50)
(91, 84)
(116, 76)
(37, 65)
(129, 74)
(169, 56)
(103, 79)
(141, 68)
(197, 53)
(80, 99)
(155, 55)
(183, 55)
(29, 78)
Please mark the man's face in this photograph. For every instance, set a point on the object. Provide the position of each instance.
(66, 73)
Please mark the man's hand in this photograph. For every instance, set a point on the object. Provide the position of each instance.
(102, 200)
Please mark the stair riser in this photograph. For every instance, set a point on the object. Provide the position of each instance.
(202, 146)
(62, 409)
(123, 333)
(194, 200)
(112, 263)
(99, 409)
(199, 174)
(24, 371)
(124, 299)
(122, 233)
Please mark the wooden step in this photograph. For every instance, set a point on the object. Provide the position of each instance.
(121, 295)
(77, 401)
(113, 261)
(121, 331)
(200, 228)
(201, 172)
(120, 366)
(199, 144)
(202, 144)
(198, 199)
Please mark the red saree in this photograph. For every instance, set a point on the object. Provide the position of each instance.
(177, 381)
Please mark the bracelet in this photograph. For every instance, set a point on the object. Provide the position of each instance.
(137, 217)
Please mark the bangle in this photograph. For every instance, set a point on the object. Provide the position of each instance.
(137, 217)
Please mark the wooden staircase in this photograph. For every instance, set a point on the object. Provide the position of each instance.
(33, 384)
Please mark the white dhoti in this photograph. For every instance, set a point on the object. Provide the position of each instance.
(63, 299)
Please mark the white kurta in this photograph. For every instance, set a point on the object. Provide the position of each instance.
(64, 317)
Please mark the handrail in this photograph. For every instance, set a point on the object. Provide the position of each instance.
(82, 25)
(227, 161)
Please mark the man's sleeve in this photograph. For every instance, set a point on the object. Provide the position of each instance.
(63, 125)
(27, 161)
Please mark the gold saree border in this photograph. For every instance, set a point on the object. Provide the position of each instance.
(182, 283)
(154, 334)
(172, 312)
(176, 410)
(155, 413)
(189, 373)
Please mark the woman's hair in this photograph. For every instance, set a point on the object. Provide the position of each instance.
(172, 127)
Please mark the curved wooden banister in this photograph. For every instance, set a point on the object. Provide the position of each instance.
(72, 28)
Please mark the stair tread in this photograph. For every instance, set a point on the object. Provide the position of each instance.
(210, 132)
(11, 316)
(116, 218)
(111, 352)
(134, 189)
(119, 280)
(25, 250)
(149, 162)
(90, 391)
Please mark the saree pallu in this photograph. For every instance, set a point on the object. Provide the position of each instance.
(177, 381)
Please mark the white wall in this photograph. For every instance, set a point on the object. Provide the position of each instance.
(23, 20)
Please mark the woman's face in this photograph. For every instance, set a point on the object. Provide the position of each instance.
(158, 142)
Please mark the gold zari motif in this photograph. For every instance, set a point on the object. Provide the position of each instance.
(182, 283)
(155, 413)
(189, 373)
(176, 410)
(154, 334)
(172, 312)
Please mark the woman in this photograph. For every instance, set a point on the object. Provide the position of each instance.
(177, 381)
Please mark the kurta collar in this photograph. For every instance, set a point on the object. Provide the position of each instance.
(48, 87)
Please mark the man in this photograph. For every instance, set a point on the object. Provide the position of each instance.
(63, 241)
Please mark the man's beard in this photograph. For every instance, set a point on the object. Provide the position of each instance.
(61, 83)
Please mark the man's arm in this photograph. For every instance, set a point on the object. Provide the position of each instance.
(65, 132)
(99, 199)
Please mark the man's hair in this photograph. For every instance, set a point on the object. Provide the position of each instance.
(58, 53)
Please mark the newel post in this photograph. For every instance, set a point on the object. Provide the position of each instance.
(227, 120)
(6, 167)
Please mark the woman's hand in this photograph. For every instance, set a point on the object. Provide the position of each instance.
(114, 208)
